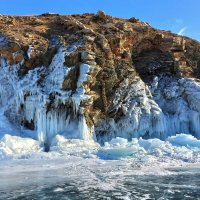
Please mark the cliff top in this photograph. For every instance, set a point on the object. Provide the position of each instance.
(40, 33)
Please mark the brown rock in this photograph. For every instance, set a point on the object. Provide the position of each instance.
(116, 50)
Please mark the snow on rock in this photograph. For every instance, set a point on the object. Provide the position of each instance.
(29, 51)
(84, 70)
(57, 72)
(142, 114)
(3, 40)
(167, 107)
(79, 95)
(163, 107)
(38, 100)
(116, 78)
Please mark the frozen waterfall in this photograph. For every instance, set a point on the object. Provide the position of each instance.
(39, 102)
(158, 110)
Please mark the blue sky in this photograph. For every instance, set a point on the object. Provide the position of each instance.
(180, 16)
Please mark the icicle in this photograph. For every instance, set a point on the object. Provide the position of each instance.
(84, 70)
(84, 131)
(29, 52)
(76, 103)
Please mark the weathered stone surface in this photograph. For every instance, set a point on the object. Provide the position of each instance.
(119, 51)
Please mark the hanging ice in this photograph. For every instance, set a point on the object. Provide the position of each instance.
(165, 108)
(38, 99)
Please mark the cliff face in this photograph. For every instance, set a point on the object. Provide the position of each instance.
(94, 75)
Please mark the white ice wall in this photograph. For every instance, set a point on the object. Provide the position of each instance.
(166, 107)
(28, 98)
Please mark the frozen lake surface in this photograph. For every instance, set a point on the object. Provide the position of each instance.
(92, 178)
(79, 169)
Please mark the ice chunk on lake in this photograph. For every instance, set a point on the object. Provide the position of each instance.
(77, 147)
(118, 148)
(184, 140)
(13, 145)
(181, 147)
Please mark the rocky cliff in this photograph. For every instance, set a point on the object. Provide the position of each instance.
(96, 76)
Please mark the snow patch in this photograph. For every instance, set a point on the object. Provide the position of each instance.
(58, 189)
(3, 40)
(13, 145)
(84, 70)
(29, 51)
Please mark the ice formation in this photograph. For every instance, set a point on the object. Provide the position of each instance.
(165, 107)
(29, 52)
(38, 100)
(162, 107)
(180, 147)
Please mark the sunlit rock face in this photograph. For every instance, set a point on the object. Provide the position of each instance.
(95, 77)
